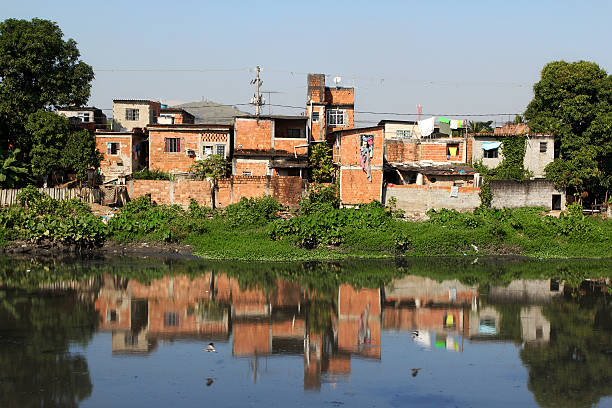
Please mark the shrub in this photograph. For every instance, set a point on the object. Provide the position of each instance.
(252, 211)
(154, 174)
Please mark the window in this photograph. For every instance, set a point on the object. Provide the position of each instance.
(207, 151)
(221, 150)
(111, 315)
(403, 133)
(315, 116)
(132, 114)
(293, 133)
(335, 117)
(84, 116)
(543, 147)
(491, 154)
(247, 173)
(173, 145)
(171, 319)
(113, 148)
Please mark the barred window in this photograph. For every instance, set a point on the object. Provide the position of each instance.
(403, 133)
(315, 116)
(132, 114)
(173, 145)
(221, 150)
(335, 117)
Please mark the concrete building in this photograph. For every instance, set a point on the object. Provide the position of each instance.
(85, 117)
(175, 116)
(174, 148)
(270, 145)
(129, 114)
(539, 151)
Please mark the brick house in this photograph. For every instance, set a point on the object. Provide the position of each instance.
(123, 152)
(272, 145)
(411, 159)
(174, 148)
(328, 108)
(129, 114)
(358, 153)
(175, 116)
(84, 117)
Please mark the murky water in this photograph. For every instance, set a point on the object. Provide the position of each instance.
(430, 333)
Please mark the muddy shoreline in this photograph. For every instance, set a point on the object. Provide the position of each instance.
(109, 249)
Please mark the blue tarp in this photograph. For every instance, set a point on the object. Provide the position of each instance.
(490, 145)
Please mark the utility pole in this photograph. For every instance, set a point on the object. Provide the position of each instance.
(257, 99)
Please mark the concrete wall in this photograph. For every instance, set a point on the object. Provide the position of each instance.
(418, 199)
(529, 193)
(478, 153)
(535, 161)
(392, 128)
(147, 115)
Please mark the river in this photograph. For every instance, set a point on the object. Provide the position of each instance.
(153, 332)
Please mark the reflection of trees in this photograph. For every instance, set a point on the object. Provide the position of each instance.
(36, 332)
(574, 369)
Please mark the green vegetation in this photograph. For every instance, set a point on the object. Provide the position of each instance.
(511, 168)
(321, 164)
(573, 101)
(12, 171)
(253, 229)
(155, 174)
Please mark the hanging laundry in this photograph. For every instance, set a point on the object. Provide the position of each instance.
(452, 151)
(442, 119)
(457, 123)
(490, 145)
(454, 191)
(366, 152)
(426, 126)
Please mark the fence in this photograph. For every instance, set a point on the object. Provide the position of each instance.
(88, 195)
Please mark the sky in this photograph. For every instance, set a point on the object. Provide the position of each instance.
(455, 58)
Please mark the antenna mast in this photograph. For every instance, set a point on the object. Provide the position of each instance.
(257, 99)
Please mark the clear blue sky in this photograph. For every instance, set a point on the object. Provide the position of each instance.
(449, 56)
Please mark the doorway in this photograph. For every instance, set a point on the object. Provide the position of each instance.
(556, 202)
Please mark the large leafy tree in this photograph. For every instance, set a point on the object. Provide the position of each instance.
(80, 154)
(12, 171)
(48, 133)
(574, 102)
(38, 70)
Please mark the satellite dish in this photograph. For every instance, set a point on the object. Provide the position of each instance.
(337, 80)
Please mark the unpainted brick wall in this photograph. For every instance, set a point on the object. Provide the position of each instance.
(253, 134)
(399, 151)
(357, 189)
(287, 190)
(109, 165)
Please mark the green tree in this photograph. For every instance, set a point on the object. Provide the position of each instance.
(38, 70)
(321, 163)
(574, 102)
(480, 127)
(80, 154)
(12, 171)
(48, 135)
(211, 168)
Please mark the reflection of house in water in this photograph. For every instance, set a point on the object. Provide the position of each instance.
(531, 291)
(535, 328)
(438, 313)
(139, 314)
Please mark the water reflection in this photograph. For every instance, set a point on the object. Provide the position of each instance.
(563, 331)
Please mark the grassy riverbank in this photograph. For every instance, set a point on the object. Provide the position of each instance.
(253, 230)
